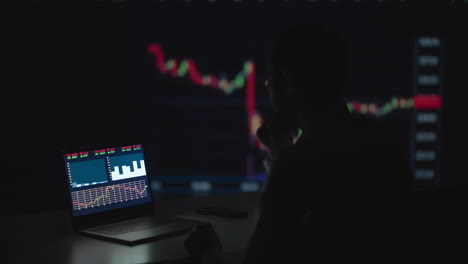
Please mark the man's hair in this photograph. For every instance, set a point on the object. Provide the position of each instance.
(315, 58)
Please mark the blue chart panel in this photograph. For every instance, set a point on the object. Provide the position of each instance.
(89, 172)
(127, 166)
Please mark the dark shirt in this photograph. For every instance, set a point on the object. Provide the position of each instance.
(340, 190)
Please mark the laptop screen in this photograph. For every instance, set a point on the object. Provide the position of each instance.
(106, 179)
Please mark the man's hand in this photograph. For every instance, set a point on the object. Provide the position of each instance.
(276, 134)
(203, 243)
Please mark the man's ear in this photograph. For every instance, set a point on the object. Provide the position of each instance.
(288, 82)
(292, 97)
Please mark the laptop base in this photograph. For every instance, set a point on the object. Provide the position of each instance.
(148, 234)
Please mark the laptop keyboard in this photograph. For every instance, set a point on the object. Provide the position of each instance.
(130, 226)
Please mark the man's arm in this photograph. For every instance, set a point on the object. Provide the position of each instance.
(262, 236)
(275, 214)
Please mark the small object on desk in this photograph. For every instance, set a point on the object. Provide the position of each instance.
(222, 212)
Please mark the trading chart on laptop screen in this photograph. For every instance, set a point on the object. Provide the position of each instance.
(200, 75)
(106, 179)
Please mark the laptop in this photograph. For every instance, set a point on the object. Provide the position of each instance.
(110, 196)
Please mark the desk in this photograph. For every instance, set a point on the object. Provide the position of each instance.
(48, 237)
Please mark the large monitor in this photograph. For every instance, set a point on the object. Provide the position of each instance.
(198, 69)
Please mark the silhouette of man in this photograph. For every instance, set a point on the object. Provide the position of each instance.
(341, 186)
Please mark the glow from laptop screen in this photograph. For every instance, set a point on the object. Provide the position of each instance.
(106, 179)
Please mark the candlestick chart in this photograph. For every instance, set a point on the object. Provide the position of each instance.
(245, 79)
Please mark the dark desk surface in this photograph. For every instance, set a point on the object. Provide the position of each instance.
(48, 237)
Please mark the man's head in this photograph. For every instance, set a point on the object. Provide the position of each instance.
(306, 69)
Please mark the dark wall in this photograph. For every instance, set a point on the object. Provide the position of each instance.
(67, 87)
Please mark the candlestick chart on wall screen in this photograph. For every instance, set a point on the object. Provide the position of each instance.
(412, 113)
